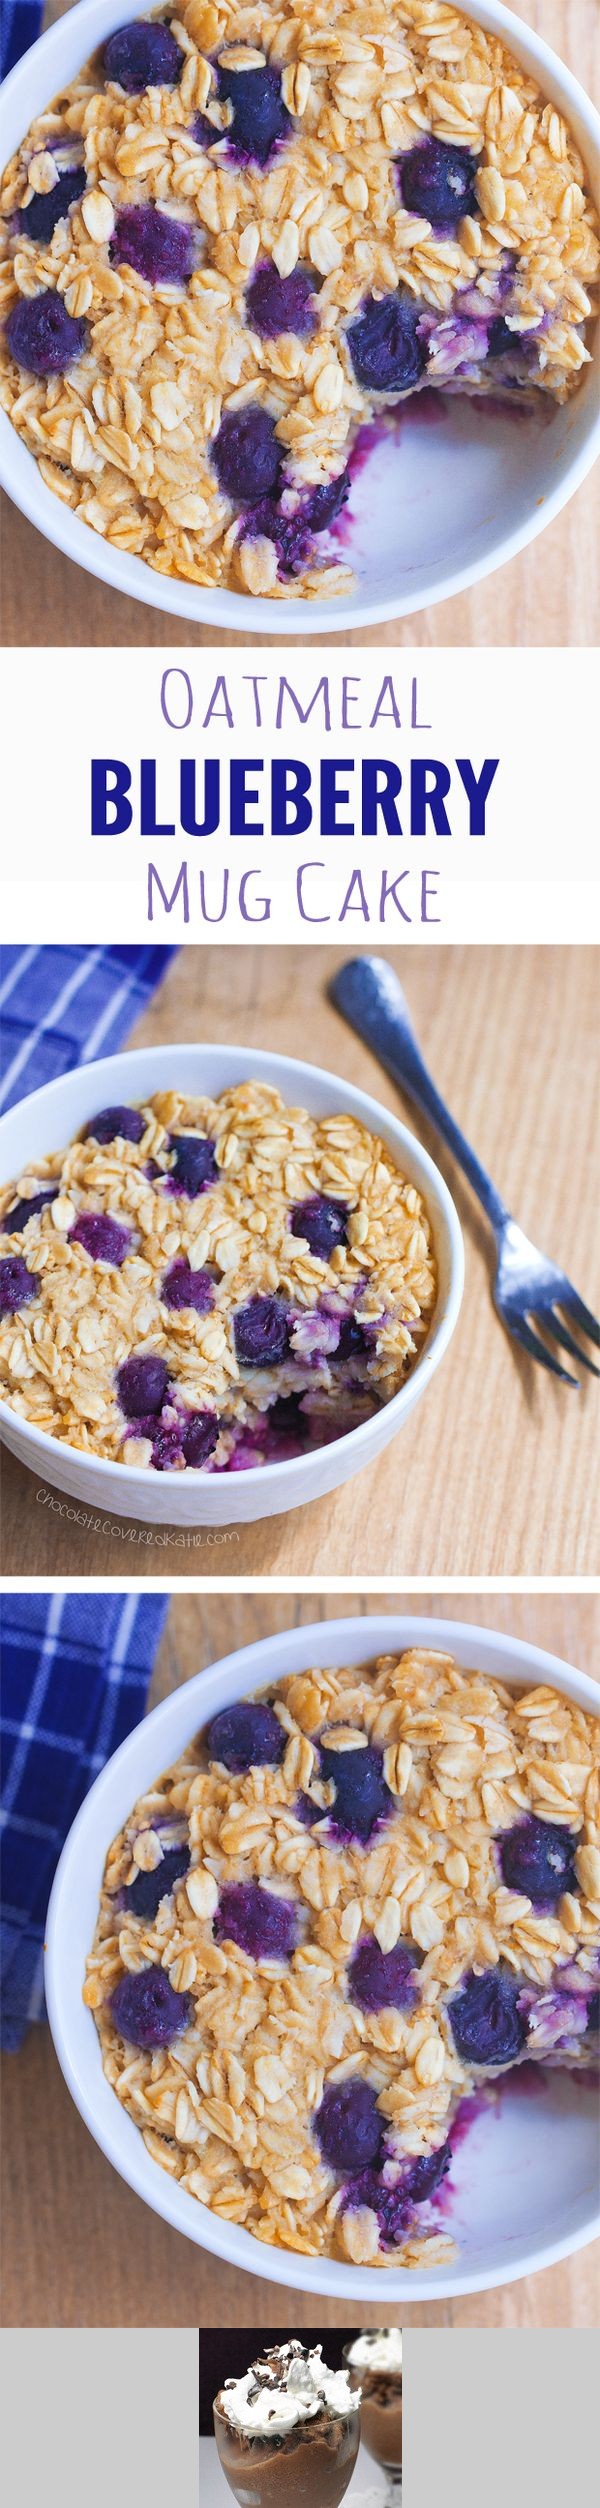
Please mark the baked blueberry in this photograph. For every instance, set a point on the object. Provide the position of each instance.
(387, 352)
(27, 1209)
(205, 132)
(264, 1926)
(348, 2125)
(246, 1736)
(114, 1123)
(103, 1238)
(147, 2011)
(161, 249)
(246, 454)
(437, 181)
(183, 1288)
(392, 2196)
(361, 1794)
(323, 1222)
(141, 1385)
(353, 1342)
(142, 54)
(382, 1980)
(200, 1438)
(17, 1284)
(145, 1893)
(538, 1860)
(260, 117)
(194, 1166)
(42, 336)
(487, 2026)
(261, 1332)
(593, 2015)
(274, 305)
(42, 213)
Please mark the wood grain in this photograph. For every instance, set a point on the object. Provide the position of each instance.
(79, 2247)
(493, 1473)
(549, 595)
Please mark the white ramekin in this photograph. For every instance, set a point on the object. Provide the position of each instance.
(528, 2171)
(454, 502)
(49, 1119)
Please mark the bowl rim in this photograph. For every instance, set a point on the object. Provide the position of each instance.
(246, 1670)
(220, 607)
(447, 1230)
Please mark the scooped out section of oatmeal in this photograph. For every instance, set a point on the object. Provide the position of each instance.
(357, 1900)
(241, 233)
(211, 1285)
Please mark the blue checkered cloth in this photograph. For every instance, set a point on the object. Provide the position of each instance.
(75, 1675)
(59, 1007)
(20, 24)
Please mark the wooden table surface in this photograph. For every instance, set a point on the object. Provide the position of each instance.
(79, 2247)
(549, 595)
(493, 1473)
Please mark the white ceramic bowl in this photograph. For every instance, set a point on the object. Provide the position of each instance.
(431, 514)
(527, 2177)
(49, 1119)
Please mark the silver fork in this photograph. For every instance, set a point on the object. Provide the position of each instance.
(526, 1283)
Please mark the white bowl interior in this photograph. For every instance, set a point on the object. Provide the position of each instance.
(434, 509)
(48, 1120)
(525, 2186)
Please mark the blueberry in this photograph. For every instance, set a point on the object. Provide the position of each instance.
(246, 1736)
(115, 1123)
(307, 1811)
(437, 181)
(261, 1332)
(103, 1238)
(195, 1166)
(149, 1888)
(275, 305)
(142, 54)
(348, 2125)
(264, 1926)
(200, 1438)
(43, 211)
(415, 2181)
(502, 342)
(486, 2023)
(145, 2009)
(387, 354)
(17, 1284)
(380, 1980)
(593, 2015)
(204, 131)
(324, 1224)
(183, 1287)
(325, 503)
(259, 114)
(293, 534)
(161, 249)
(24, 1210)
(538, 1859)
(142, 1384)
(285, 1418)
(353, 1341)
(361, 1794)
(246, 454)
(167, 1450)
(42, 336)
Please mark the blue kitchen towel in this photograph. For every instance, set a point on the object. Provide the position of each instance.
(59, 1007)
(74, 1680)
(20, 24)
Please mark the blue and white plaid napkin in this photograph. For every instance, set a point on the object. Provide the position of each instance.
(59, 1007)
(75, 1675)
(20, 24)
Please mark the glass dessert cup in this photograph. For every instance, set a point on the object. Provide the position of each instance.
(311, 2463)
(380, 2418)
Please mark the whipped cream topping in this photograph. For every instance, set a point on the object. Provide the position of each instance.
(381, 2350)
(287, 2386)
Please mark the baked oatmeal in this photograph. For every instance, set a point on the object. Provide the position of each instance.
(243, 232)
(211, 1285)
(357, 1899)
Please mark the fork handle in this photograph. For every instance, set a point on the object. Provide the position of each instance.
(371, 999)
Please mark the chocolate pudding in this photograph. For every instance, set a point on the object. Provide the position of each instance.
(374, 2363)
(288, 2432)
